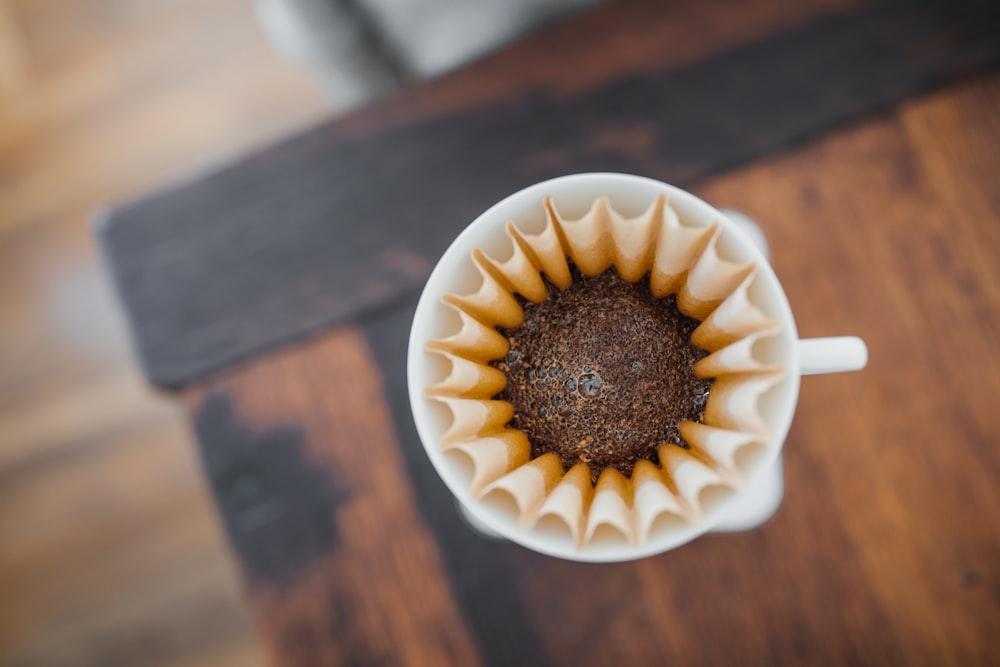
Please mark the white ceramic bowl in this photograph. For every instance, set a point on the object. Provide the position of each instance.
(629, 195)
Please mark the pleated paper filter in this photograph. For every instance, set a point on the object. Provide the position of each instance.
(677, 262)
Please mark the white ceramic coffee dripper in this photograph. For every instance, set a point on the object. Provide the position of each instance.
(630, 196)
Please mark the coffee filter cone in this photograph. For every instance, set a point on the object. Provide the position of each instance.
(679, 258)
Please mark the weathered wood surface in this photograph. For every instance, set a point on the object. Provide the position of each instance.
(887, 547)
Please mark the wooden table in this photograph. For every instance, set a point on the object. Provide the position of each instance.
(277, 293)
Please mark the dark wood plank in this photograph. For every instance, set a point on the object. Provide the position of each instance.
(887, 548)
(340, 567)
(885, 551)
(337, 222)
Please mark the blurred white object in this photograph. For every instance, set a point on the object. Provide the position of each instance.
(328, 42)
(359, 49)
(434, 36)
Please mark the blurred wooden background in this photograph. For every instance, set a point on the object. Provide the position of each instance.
(110, 550)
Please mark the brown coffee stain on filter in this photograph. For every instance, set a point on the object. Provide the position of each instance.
(378, 561)
(619, 474)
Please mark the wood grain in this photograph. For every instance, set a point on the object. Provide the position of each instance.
(305, 466)
(330, 224)
(909, 239)
(886, 550)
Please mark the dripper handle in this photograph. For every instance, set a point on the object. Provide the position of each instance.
(832, 355)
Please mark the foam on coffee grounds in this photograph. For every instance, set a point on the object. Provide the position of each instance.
(601, 372)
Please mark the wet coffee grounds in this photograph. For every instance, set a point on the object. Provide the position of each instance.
(601, 372)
